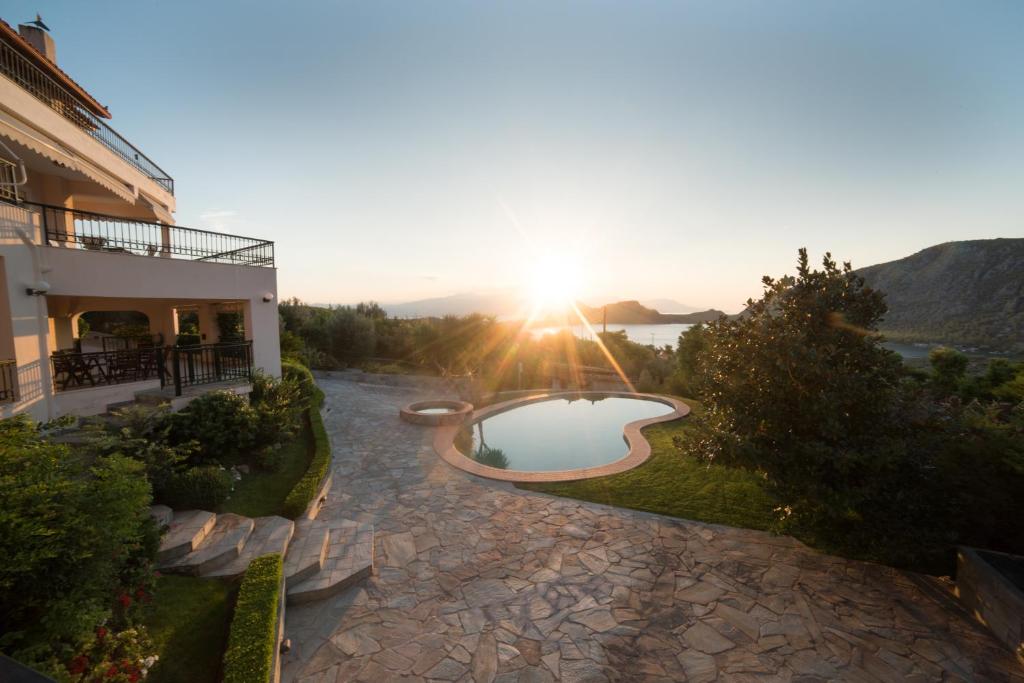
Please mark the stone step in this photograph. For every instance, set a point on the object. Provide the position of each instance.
(308, 550)
(162, 515)
(269, 535)
(220, 547)
(188, 529)
(349, 560)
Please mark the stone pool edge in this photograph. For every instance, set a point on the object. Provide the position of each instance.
(639, 448)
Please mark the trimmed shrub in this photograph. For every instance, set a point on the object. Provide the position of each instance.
(278, 405)
(306, 489)
(253, 636)
(222, 423)
(199, 487)
(304, 378)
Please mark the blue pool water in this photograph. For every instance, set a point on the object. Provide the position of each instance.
(557, 434)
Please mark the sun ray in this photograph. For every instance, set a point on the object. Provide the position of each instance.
(604, 349)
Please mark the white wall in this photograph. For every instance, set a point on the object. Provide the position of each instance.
(83, 273)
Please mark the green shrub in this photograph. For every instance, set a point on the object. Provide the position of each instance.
(222, 423)
(278, 405)
(143, 434)
(75, 534)
(307, 487)
(304, 378)
(198, 487)
(253, 637)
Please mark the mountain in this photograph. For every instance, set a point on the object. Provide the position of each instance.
(668, 306)
(635, 313)
(969, 292)
(500, 303)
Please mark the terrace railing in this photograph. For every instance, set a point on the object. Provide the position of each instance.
(179, 367)
(8, 381)
(43, 87)
(209, 364)
(101, 232)
(73, 370)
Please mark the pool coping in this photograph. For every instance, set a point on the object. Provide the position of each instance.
(639, 448)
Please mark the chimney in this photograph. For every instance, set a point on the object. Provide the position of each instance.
(40, 40)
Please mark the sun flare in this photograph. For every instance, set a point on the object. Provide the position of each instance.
(554, 285)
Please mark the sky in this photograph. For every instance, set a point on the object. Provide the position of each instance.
(397, 151)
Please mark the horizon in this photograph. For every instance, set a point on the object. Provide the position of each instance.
(660, 150)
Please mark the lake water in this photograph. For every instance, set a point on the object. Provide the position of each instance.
(558, 434)
(658, 335)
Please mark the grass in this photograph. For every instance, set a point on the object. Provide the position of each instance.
(259, 493)
(674, 484)
(189, 620)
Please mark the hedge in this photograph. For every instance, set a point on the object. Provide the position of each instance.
(307, 487)
(253, 637)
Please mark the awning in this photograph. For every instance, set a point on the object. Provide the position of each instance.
(15, 130)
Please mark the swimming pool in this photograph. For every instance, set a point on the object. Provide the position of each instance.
(557, 434)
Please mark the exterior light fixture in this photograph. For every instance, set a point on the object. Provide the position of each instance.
(38, 289)
(268, 297)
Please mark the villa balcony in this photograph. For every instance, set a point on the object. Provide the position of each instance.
(95, 232)
(22, 71)
(179, 367)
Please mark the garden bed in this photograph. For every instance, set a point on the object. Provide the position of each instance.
(188, 621)
(263, 493)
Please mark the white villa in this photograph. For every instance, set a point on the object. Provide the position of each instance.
(86, 225)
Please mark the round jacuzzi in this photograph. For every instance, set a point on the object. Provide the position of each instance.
(437, 413)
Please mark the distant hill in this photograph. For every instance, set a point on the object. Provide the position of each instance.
(969, 293)
(669, 306)
(500, 303)
(635, 313)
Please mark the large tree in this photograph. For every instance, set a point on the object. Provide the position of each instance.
(799, 388)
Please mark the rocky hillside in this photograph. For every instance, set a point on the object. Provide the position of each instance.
(634, 313)
(969, 292)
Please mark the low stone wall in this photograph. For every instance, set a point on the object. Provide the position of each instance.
(991, 597)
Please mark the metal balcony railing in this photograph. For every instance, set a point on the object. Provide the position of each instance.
(8, 381)
(101, 232)
(179, 367)
(43, 87)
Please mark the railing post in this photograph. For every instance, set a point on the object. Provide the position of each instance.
(216, 364)
(161, 365)
(176, 370)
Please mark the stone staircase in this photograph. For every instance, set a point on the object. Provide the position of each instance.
(321, 558)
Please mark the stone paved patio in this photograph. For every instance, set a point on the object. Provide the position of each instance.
(478, 581)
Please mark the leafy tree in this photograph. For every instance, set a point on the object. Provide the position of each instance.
(948, 369)
(800, 389)
(352, 336)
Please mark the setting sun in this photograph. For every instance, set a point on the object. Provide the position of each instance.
(554, 284)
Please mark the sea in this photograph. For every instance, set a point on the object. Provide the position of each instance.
(660, 335)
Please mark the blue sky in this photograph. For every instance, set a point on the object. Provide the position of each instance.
(397, 151)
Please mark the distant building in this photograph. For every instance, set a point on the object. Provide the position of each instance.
(86, 224)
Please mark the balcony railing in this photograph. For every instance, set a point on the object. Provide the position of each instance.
(41, 85)
(8, 381)
(179, 367)
(100, 232)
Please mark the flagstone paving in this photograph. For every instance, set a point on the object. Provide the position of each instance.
(478, 581)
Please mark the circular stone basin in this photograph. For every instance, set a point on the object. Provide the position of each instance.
(436, 413)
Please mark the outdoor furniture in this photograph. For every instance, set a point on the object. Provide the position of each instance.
(75, 369)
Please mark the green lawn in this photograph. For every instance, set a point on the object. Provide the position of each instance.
(670, 483)
(189, 620)
(259, 494)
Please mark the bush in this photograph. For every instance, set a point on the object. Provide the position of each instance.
(142, 433)
(198, 487)
(300, 374)
(949, 367)
(307, 487)
(278, 405)
(253, 637)
(222, 423)
(75, 533)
